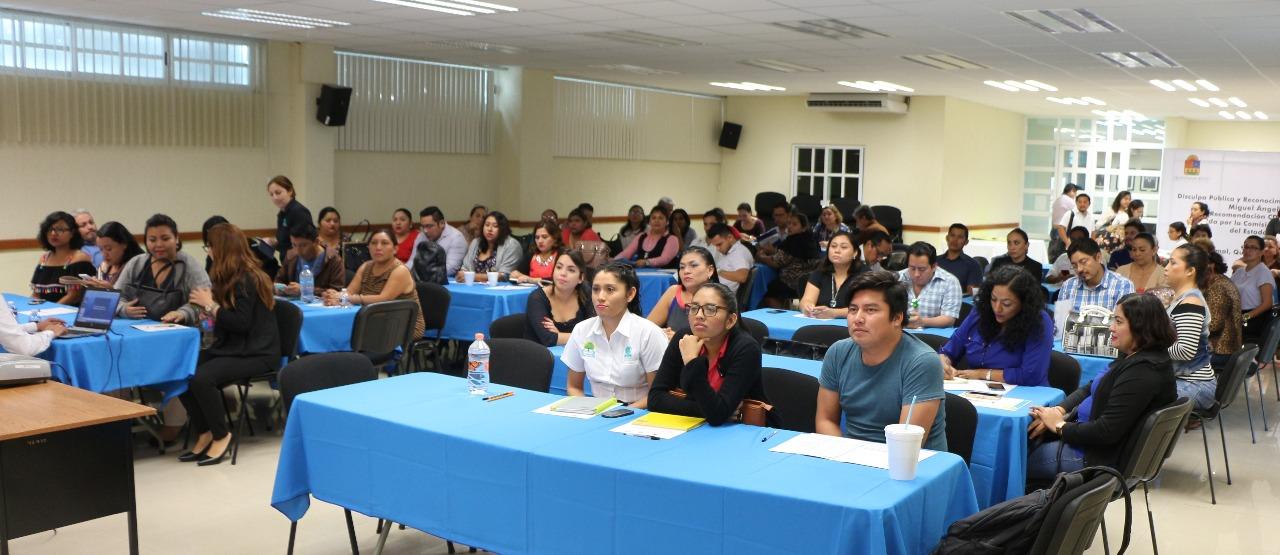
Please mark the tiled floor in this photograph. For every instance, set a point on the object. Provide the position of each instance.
(225, 509)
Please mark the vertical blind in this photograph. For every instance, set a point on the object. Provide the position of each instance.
(606, 120)
(404, 105)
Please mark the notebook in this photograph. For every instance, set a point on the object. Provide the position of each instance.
(583, 405)
(669, 421)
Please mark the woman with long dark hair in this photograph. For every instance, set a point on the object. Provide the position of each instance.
(495, 250)
(554, 309)
(1188, 274)
(539, 264)
(577, 229)
(697, 268)
(829, 290)
(60, 238)
(1007, 337)
(633, 227)
(118, 247)
(157, 285)
(382, 278)
(680, 227)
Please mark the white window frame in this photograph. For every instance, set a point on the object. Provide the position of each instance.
(826, 172)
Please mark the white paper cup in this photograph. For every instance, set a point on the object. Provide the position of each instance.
(493, 278)
(904, 449)
(469, 278)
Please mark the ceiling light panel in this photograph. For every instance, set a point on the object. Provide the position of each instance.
(779, 65)
(1064, 21)
(876, 86)
(452, 7)
(1000, 85)
(1163, 85)
(1226, 115)
(1139, 60)
(945, 62)
(1206, 85)
(638, 70)
(1181, 84)
(1260, 115)
(1012, 85)
(646, 39)
(1237, 102)
(1199, 102)
(1218, 102)
(1244, 115)
(273, 18)
(747, 86)
(830, 29)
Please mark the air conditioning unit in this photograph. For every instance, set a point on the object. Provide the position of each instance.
(856, 102)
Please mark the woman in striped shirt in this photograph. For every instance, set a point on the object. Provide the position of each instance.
(1187, 272)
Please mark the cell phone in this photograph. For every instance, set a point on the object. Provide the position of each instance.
(993, 386)
(775, 311)
(617, 413)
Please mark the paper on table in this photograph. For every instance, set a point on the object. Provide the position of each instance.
(1002, 403)
(157, 327)
(507, 288)
(841, 449)
(48, 312)
(961, 384)
(651, 432)
(547, 410)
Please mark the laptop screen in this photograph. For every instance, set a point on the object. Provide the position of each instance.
(98, 308)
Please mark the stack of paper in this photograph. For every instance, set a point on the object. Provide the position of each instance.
(656, 425)
(961, 384)
(583, 405)
(841, 449)
(996, 402)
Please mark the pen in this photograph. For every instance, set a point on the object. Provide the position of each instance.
(499, 396)
(771, 434)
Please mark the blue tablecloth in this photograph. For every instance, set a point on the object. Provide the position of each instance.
(474, 307)
(764, 276)
(124, 358)
(653, 284)
(783, 324)
(999, 460)
(417, 449)
(1090, 366)
(325, 329)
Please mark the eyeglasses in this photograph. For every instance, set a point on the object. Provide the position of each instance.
(60, 230)
(1250, 248)
(708, 310)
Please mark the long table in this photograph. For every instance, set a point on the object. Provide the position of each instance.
(417, 449)
(473, 307)
(124, 358)
(783, 324)
(653, 283)
(325, 329)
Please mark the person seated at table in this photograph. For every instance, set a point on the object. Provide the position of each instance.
(697, 268)
(1007, 337)
(495, 250)
(329, 229)
(865, 217)
(681, 227)
(1188, 274)
(406, 235)
(325, 265)
(870, 380)
(1202, 231)
(157, 285)
(633, 227)
(1110, 409)
(1093, 283)
(28, 339)
(541, 262)
(959, 264)
(933, 293)
(554, 309)
(780, 212)
(617, 350)
(733, 259)
(1017, 243)
(876, 248)
(475, 221)
(436, 229)
(88, 230)
(708, 370)
(382, 278)
(656, 247)
(795, 258)
(829, 224)
(61, 241)
(576, 230)
(118, 247)
(246, 340)
(749, 227)
(588, 212)
(1256, 286)
(830, 287)
(1144, 271)
(710, 219)
(1062, 268)
(1122, 253)
(550, 215)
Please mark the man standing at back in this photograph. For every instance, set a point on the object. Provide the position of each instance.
(1061, 205)
(957, 263)
(872, 378)
(437, 230)
(1081, 216)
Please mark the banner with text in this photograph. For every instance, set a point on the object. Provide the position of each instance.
(1242, 190)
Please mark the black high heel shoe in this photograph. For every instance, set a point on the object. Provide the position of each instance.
(192, 456)
(210, 461)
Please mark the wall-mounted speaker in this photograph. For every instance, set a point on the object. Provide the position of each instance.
(331, 106)
(729, 135)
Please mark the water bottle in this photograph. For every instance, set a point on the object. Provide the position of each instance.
(478, 366)
(343, 299)
(308, 283)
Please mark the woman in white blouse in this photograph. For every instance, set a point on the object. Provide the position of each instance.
(617, 350)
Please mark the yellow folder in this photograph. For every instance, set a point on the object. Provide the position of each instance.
(669, 421)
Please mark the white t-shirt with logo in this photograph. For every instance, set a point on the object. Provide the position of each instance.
(617, 366)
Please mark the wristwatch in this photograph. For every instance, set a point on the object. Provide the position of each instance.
(1058, 429)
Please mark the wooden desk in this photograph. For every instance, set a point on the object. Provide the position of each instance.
(65, 457)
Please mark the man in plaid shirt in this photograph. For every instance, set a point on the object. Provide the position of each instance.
(1093, 283)
(935, 291)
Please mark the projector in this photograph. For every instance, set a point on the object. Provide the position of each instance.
(19, 369)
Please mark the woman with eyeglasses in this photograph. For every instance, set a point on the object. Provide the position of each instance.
(697, 268)
(1007, 337)
(617, 350)
(709, 369)
(829, 290)
(633, 227)
(61, 240)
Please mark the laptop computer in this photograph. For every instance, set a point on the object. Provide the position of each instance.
(97, 311)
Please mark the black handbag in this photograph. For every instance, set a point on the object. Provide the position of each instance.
(356, 251)
(159, 302)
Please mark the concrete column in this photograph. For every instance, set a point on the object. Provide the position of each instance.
(524, 106)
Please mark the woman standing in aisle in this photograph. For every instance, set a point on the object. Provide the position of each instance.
(285, 198)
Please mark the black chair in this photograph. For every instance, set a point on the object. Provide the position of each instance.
(324, 371)
(965, 309)
(846, 206)
(1064, 372)
(982, 263)
(891, 218)
(434, 299)
(962, 425)
(808, 205)
(897, 261)
(744, 289)
(520, 363)
(1266, 353)
(1072, 520)
(764, 204)
(1142, 459)
(820, 335)
(1230, 381)
(934, 341)
(757, 329)
(508, 327)
(794, 397)
(381, 328)
(288, 325)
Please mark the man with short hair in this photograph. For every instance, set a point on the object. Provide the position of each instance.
(870, 380)
(667, 204)
(1093, 283)
(1062, 205)
(875, 248)
(1081, 216)
(934, 294)
(957, 263)
(436, 229)
(1122, 256)
(588, 211)
(866, 219)
(1062, 267)
(781, 217)
(733, 260)
(709, 219)
(89, 232)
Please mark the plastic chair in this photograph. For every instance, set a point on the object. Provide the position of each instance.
(962, 425)
(897, 261)
(794, 397)
(434, 300)
(764, 204)
(808, 205)
(820, 335)
(965, 309)
(1142, 460)
(288, 326)
(381, 328)
(757, 329)
(891, 218)
(521, 363)
(1228, 385)
(982, 263)
(508, 327)
(1064, 372)
(1072, 520)
(934, 341)
(847, 205)
(744, 289)
(324, 371)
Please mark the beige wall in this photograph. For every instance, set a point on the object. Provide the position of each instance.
(981, 166)
(1232, 135)
(373, 184)
(612, 186)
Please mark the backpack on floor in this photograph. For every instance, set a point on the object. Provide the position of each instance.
(1012, 527)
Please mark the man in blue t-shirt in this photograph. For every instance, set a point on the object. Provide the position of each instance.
(959, 264)
(872, 377)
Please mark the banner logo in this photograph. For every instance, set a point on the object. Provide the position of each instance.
(1191, 166)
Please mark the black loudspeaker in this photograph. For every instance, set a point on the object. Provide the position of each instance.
(331, 107)
(730, 134)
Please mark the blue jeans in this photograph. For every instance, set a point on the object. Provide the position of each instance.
(1043, 463)
(1201, 392)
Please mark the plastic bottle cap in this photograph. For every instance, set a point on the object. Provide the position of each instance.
(479, 337)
